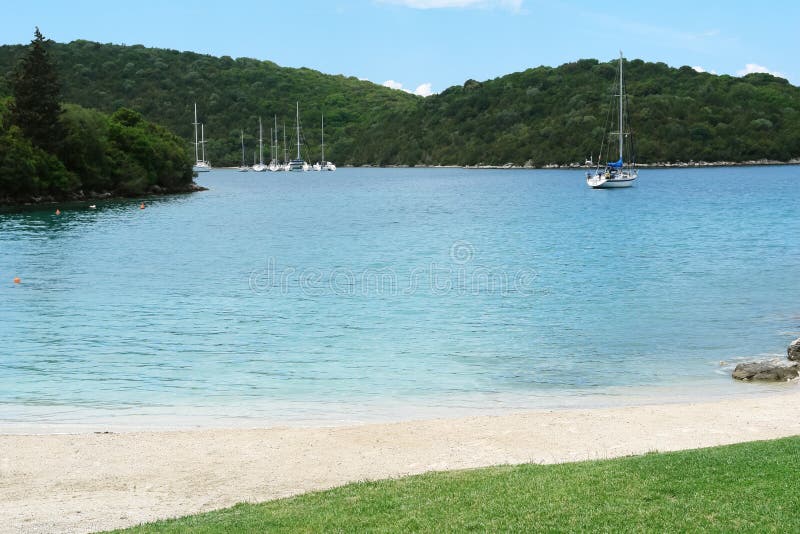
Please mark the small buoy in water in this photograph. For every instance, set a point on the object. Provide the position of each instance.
(141, 206)
(17, 280)
(91, 207)
(58, 211)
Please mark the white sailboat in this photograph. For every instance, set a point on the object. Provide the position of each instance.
(200, 165)
(620, 173)
(274, 166)
(324, 165)
(260, 167)
(243, 167)
(298, 164)
(285, 165)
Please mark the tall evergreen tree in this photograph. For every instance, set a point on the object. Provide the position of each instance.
(37, 92)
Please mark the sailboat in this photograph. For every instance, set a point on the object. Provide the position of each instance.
(200, 165)
(274, 166)
(620, 173)
(285, 166)
(260, 167)
(325, 165)
(298, 164)
(243, 167)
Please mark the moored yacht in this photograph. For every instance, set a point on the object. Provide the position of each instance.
(620, 173)
(324, 165)
(200, 165)
(297, 164)
(260, 167)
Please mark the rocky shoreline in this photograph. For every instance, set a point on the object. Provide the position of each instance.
(531, 165)
(772, 370)
(82, 196)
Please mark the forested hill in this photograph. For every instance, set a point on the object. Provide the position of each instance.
(542, 115)
(557, 115)
(231, 94)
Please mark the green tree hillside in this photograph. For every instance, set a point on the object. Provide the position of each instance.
(558, 115)
(231, 94)
(543, 114)
(54, 152)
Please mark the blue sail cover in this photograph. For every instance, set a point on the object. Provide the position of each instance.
(615, 164)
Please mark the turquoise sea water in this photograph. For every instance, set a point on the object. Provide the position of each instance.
(395, 293)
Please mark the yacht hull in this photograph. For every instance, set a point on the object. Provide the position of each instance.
(599, 182)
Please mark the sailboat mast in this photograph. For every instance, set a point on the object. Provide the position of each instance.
(620, 106)
(203, 139)
(285, 147)
(323, 139)
(196, 154)
(242, 148)
(275, 117)
(297, 120)
(260, 144)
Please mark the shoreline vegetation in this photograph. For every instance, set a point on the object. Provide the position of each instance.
(659, 165)
(81, 196)
(52, 151)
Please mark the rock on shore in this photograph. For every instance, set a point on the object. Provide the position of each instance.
(767, 371)
(793, 352)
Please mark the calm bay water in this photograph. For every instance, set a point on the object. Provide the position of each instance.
(395, 293)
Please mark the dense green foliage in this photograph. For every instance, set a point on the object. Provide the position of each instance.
(558, 115)
(740, 488)
(544, 115)
(25, 169)
(121, 154)
(51, 151)
(36, 107)
(47, 150)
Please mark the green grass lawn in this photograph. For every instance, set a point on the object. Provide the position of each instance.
(752, 487)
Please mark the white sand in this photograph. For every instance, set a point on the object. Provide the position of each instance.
(88, 482)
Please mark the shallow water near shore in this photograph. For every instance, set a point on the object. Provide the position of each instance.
(375, 294)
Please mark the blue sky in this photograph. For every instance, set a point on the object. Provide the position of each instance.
(429, 45)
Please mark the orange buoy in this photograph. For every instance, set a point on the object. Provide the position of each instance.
(141, 206)
(58, 211)
(17, 280)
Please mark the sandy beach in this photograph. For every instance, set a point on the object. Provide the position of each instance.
(94, 481)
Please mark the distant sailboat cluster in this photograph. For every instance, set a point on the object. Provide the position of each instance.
(296, 164)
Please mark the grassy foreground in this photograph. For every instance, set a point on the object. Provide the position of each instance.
(746, 487)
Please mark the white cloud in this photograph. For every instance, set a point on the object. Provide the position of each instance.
(750, 68)
(512, 5)
(701, 69)
(391, 84)
(424, 89)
